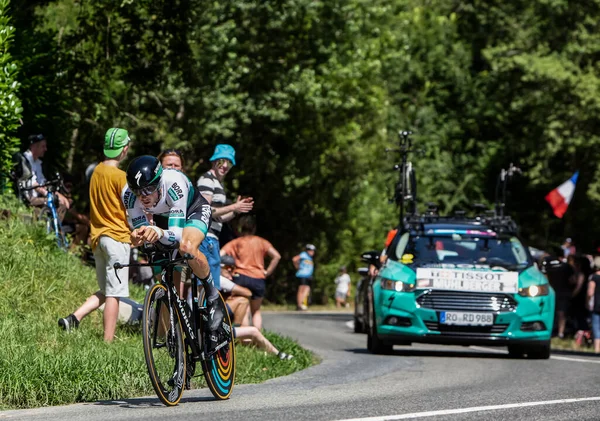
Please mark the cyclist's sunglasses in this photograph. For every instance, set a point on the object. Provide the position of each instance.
(145, 191)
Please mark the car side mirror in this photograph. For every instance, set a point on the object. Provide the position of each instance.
(371, 257)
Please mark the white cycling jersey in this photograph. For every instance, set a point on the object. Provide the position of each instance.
(179, 203)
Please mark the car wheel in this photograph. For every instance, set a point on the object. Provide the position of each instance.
(538, 352)
(358, 326)
(515, 351)
(374, 344)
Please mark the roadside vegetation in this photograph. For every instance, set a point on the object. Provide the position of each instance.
(42, 365)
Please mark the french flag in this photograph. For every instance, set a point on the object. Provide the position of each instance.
(560, 197)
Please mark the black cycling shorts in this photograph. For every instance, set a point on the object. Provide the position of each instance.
(305, 281)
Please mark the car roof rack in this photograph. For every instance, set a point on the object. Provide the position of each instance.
(499, 224)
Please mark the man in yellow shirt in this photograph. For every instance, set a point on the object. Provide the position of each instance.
(109, 235)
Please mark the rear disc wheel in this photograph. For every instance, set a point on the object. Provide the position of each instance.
(219, 369)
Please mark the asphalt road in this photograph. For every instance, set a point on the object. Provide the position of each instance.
(418, 382)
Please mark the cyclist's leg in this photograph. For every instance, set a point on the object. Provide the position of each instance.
(210, 248)
(190, 243)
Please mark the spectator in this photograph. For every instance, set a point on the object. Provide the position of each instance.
(210, 185)
(559, 275)
(593, 300)
(109, 235)
(305, 267)
(582, 270)
(171, 158)
(236, 296)
(249, 252)
(568, 248)
(250, 335)
(37, 197)
(342, 288)
(245, 334)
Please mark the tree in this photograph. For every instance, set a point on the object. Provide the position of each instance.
(10, 106)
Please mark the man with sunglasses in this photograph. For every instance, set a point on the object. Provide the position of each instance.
(210, 185)
(180, 213)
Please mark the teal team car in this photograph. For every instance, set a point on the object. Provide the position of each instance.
(460, 281)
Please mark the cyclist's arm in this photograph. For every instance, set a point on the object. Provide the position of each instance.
(136, 217)
(177, 200)
(222, 213)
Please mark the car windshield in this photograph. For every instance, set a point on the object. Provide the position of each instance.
(506, 252)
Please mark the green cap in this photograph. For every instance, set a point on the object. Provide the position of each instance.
(114, 142)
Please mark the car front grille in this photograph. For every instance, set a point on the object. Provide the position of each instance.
(455, 330)
(467, 301)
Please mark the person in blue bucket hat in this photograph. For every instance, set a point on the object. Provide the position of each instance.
(210, 185)
(224, 151)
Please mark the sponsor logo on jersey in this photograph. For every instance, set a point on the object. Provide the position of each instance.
(173, 195)
(129, 199)
(177, 190)
(138, 221)
(206, 212)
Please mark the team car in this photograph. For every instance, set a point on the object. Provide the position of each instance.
(458, 280)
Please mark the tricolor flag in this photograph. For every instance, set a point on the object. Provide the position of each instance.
(560, 197)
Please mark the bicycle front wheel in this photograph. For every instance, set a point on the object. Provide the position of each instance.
(163, 346)
(219, 369)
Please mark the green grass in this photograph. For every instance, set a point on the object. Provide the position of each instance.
(568, 344)
(42, 365)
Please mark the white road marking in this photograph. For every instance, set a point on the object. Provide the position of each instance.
(472, 409)
(554, 357)
(578, 360)
(350, 324)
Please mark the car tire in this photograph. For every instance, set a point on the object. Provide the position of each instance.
(515, 351)
(374, 344)
(538, 352)
(358, 326)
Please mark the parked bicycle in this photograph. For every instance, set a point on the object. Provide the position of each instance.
(49, 213)
(176, 336)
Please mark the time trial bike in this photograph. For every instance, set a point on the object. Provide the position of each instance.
(176, 336)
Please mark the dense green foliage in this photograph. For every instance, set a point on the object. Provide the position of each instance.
(42, 365)
(311, 93)
(10, 106)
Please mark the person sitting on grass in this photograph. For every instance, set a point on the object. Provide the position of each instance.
(236, 296)
(245, 334)
(250, 335)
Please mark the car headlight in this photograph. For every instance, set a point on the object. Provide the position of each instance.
(534, 290)
(397, 286)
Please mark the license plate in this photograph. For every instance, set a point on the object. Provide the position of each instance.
(466, 319)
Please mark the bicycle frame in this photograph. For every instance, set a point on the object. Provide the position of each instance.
(61, 238)
(190, 323)
(53, 222)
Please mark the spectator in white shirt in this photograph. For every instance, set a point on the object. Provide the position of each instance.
(37, 198)
(342, 289)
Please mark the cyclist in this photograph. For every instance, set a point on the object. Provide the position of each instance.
(180, 213)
